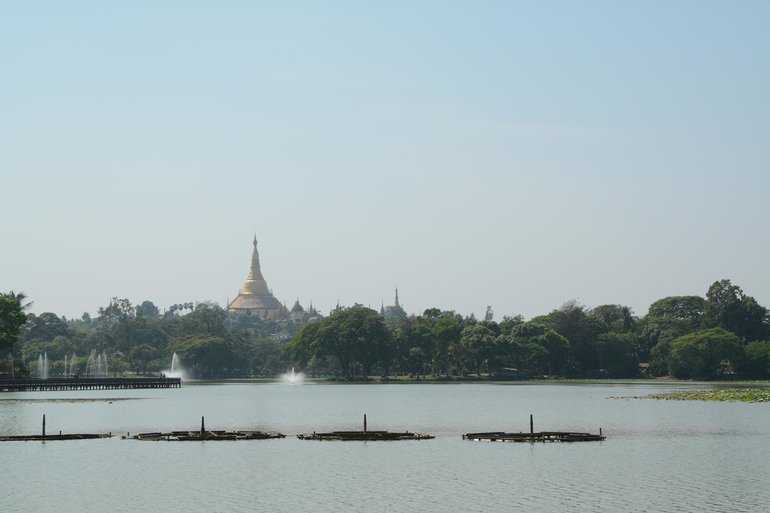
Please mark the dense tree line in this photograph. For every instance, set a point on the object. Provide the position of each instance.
(725, 334)
(722, 336)
(139, 339)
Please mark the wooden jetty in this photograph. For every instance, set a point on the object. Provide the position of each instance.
(532, 436)
(365, 435)
(73, 383)
(204, 435)
(47, 438)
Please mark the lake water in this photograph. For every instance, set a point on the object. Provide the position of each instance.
(660, 456)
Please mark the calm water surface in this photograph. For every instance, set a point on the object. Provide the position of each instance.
(660, 456)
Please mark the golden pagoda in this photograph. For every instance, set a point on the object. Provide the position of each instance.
(255, 297)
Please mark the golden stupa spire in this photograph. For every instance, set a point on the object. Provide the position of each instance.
(255, 283)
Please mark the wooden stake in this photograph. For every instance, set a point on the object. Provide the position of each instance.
(203, 428)
(44, 425)
(364, 422)
(531, 425)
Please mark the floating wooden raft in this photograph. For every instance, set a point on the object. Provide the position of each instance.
(204, 434)
(364, 435)
(532, 436)
(46, 438)
(543, 436)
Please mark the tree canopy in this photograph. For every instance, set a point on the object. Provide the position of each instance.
(12, 318)
(722, 335)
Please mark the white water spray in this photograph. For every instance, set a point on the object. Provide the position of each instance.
(293, 378)
(176, 370)
(42, 366)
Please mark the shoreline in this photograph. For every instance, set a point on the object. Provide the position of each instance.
(458, 381)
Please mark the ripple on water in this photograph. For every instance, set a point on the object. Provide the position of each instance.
(659, 456)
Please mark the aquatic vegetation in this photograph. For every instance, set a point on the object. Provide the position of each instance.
(744, 395)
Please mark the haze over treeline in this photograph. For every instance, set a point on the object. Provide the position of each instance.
(724, 335)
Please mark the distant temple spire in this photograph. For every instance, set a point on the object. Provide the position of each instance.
(255, 296)
(393, 312)
(255, 283)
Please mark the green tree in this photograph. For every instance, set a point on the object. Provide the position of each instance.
(45, 326)
(705, 354)
(614, 317)
(508, 323)
(446, 330)
(617, 354)
(667, 319)
(268, 357)
(582, 330)
(408, 334)
(147, 310)
(12, 318)
(729, 308)
(208, 318)
(756, 362)
(353, 336)
(205, 356)
(55, 348)
(304, 345)
(368, 336)
(416, 361)
(683, 308)
(539, 348)
(478, 341)
(140, 357)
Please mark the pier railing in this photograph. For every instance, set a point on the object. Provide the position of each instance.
(31, 385)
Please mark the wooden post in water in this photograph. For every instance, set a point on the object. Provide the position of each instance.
(364, 422)
(44, 425)
(531, 425)
(600, 431)
(203, 427)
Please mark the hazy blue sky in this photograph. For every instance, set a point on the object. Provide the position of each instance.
(513, 154)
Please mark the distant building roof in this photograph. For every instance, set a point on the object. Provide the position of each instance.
(297, 308)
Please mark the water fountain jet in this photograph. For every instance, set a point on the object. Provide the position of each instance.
(293, 378)
(176, 370)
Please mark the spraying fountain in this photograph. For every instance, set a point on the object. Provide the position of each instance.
(42, 366)
(90, 365)
(176, 370)
(73, 368)
(293, 378)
